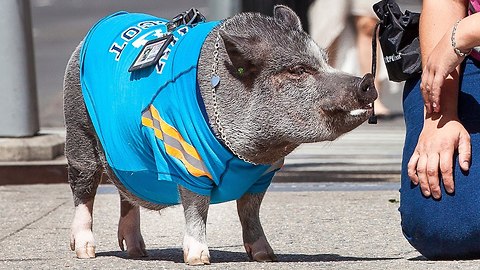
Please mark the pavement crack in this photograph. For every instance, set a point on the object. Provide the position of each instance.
(32, 222)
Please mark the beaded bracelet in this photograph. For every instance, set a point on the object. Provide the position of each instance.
(454, 43)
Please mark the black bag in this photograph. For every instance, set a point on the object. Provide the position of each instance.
(398, 38)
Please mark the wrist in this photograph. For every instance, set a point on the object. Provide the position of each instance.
(437, 121)
(448, 112)
(458, 39)
(448, 98)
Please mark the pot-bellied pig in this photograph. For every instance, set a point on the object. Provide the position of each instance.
(194, 112)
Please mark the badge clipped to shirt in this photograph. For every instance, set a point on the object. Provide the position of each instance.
(151, 53)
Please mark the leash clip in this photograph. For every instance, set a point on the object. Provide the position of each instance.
(189, 17)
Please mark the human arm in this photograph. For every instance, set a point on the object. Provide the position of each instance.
(443, 60)
(442, 132)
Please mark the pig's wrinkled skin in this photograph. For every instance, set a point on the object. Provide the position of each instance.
(286, 96)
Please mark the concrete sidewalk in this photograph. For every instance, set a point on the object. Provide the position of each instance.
(335, 226)
(370, 152)
(332, 206)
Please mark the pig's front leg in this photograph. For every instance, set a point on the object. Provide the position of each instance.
(195, 207)
(129, 229)
(254, 239)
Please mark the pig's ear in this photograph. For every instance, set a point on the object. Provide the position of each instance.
(245, 53)
(285, 16)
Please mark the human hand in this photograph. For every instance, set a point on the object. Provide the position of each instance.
(434, 150)
(441, 62)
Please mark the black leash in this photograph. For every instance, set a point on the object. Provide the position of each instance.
(373, 118)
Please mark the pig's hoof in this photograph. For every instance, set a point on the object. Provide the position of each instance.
(194, 252)
(260, 251)
(129, 233)
(83, 244)
(135, 247)
(134, 242)
(137, 252)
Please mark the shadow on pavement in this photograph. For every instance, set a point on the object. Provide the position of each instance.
(222, 256)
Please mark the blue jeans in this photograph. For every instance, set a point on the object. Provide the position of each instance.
(448, 228)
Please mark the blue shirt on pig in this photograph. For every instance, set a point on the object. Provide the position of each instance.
(151, 122)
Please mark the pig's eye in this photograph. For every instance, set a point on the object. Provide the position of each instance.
(297, 70)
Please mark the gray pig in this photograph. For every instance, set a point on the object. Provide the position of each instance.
(261, 87)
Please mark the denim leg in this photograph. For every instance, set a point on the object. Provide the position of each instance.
(448, 228)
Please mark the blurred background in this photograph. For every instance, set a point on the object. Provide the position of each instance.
(43, 33)
(59, 25)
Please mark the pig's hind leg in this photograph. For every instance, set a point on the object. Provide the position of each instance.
(195, 207)
(84, 174)
(129, 229)
(254, 239)
(84, 166)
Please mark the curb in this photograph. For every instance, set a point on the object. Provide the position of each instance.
(367, 154)
(34, 172)
(55, 171)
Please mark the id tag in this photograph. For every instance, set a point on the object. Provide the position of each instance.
(151, 53)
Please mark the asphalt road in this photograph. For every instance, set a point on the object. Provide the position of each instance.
(59, 25)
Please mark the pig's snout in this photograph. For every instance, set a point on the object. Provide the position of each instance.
(367, 83)
(366, 89)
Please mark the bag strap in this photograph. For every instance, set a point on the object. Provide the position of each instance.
(374, 49)
(373, 117)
